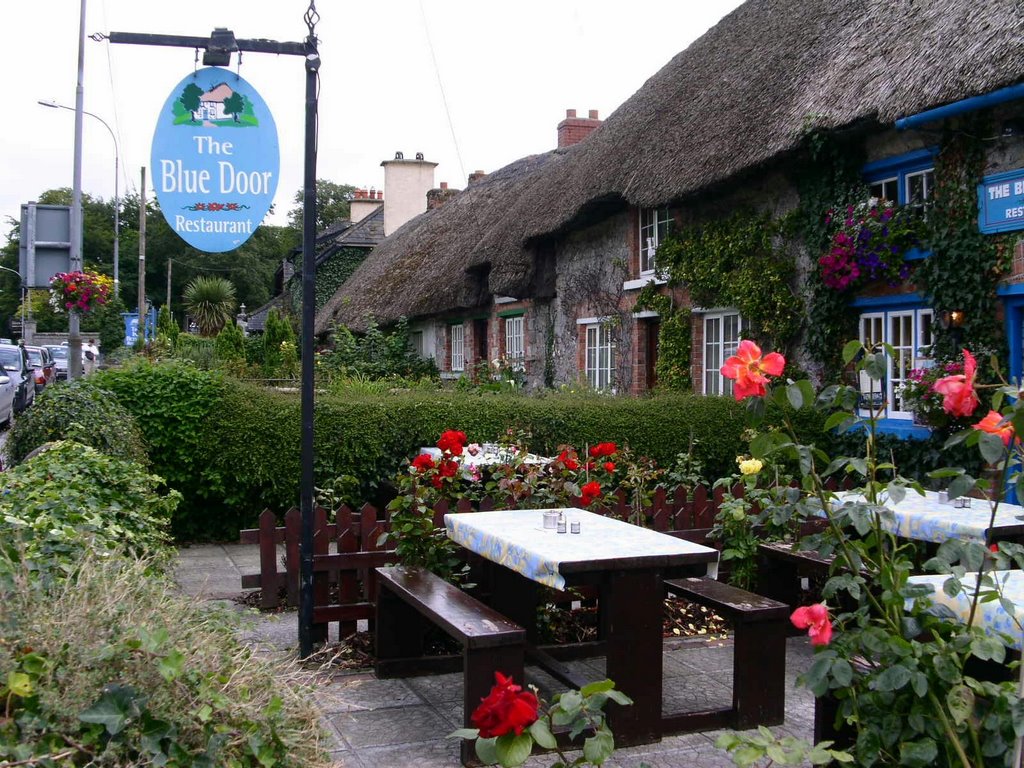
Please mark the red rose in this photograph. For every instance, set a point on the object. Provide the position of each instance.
(609, 466)
(449, 468)
(452, 441)
(603, 449)
(589, 492)
(423, 462)
(506, 709)
(569, 460)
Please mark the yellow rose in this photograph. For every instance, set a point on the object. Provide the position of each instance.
(750, 467)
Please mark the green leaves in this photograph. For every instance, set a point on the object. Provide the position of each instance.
(116, 708)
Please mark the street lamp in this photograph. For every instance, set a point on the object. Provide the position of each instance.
(117, 202)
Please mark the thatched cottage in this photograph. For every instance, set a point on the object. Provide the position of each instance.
(744, 140)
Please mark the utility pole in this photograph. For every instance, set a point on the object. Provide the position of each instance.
(218, 49)
(168, 303)
(74, 333)
(142, 256)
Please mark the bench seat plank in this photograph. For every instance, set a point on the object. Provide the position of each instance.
(462, 616)
(731, 602)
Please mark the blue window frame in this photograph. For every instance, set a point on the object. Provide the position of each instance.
(907, 179)
(905, 323)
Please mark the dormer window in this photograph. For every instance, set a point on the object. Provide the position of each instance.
(655, 225)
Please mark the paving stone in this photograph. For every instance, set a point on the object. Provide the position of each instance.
(393, 725)
(365, 692)
(436, 689)
(345, 758)
(431, 754)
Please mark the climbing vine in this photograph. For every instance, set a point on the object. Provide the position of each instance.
(738, 262)
(674, 339)
(965, 265)
(330, 275)
(829, 178)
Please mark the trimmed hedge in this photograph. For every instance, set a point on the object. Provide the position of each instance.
(233, 449)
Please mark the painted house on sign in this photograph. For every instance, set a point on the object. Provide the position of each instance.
(773, 181)
(211, 103)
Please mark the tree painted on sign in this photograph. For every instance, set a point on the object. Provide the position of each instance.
(190, 98)
(234, 105)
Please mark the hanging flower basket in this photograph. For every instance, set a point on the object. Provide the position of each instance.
(868, 243)
(79, 291)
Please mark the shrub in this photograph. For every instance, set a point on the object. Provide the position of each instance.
(79, 411)
(172, 402)
(113, 668)
(70, 499)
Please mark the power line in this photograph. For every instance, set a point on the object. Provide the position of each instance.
(444, 97)
(128, 181)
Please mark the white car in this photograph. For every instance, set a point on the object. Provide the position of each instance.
(8, 394)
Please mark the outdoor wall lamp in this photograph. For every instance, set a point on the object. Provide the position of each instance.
(953, 321)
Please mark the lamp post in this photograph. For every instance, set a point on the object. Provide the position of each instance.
(117, 200)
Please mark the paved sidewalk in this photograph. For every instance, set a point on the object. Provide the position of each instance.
(375, 723)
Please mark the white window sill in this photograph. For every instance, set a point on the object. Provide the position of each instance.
(505, 300)
(640, 282)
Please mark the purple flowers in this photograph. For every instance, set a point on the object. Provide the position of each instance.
(868, 246)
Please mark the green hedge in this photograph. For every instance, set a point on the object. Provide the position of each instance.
(233, 449)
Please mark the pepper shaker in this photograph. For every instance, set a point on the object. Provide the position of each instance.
(561, 522)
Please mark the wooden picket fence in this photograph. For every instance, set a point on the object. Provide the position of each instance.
(347, 547)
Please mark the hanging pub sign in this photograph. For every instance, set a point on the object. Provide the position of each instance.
(1001, 202)
(215, 160)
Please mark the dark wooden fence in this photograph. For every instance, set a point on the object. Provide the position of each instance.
(346, 548)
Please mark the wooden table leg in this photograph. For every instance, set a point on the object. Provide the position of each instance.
(632, 605)
(516, 597)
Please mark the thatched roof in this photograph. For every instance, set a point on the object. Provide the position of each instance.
(737, 99)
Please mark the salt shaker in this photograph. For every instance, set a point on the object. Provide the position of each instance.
(574, 526)
(561, 522)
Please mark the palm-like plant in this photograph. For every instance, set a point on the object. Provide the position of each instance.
(211, 303)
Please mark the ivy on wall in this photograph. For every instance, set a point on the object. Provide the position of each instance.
(675, 337)
(738, 262)
(330, 275)
(965, 265)
(829, 178)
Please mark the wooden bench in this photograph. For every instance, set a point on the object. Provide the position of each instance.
(782, 568)
(759, 657)
(410, 599)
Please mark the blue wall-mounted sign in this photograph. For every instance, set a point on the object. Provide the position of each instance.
(1001, 202)
(215, 160)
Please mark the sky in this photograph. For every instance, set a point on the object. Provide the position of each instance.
(472, 84)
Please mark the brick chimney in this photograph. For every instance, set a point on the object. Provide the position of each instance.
(363, 203)
(474, 178)
(438, 197)
(407, 183)
(574, 129)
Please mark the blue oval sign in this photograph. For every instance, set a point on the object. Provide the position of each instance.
(215, 160)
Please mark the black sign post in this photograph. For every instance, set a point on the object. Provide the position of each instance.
(218, 48)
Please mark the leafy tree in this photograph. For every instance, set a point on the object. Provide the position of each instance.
(278, 343)
(230, 343)
(331, 205)
(190, 98)
(234, 104)
(211, 303)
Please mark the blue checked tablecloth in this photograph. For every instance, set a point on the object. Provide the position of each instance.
(990, 615)
(924, 518)
(517, 540)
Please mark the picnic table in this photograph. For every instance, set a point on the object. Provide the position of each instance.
(926, 518)
(626, 563)
(989, 614)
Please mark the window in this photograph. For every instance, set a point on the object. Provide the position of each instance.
(600, 356)
(721, 338)
(458, 339)
(909, 331)
(515, 352)
(907, 179)
(655, 224)
(416, 343)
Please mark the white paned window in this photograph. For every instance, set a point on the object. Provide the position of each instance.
(600, 356)
(909, 332)
(886, 189)
(920, 188)
(721, 339)
(655, 224)
(458, 336)
(515, 351)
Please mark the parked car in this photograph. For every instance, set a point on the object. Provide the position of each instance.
(8, 395)
(15, 362)
(60, 360)
(44, 367)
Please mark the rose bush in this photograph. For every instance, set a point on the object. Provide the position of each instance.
(898, 669)
(509, 721)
